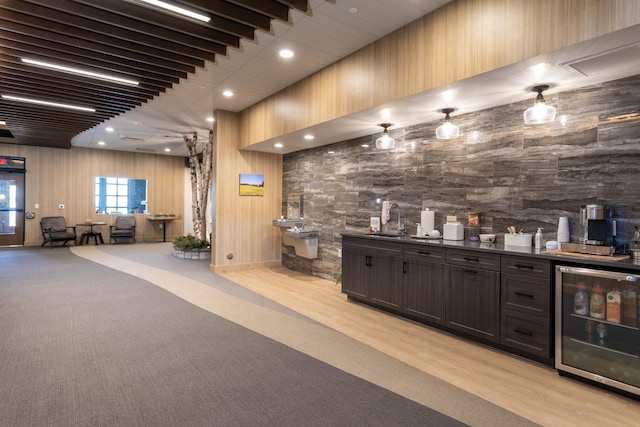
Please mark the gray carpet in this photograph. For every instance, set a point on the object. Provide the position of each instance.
(83, 344)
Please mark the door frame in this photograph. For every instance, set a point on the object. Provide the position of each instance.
(16, 238)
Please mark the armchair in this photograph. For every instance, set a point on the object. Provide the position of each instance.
(54, 229)
(124, 228)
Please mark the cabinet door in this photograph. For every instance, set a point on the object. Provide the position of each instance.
(385, 281)
(355, 281)
(424, 290)
(473, 301)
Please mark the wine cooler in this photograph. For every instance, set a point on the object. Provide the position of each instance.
(597, 326)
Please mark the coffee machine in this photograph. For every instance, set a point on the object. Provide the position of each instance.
(598, 235)
(595, 225)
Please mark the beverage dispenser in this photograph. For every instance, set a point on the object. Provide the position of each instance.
(596, 225)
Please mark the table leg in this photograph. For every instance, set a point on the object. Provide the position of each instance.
(164, 230)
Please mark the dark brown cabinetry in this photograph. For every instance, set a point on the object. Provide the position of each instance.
(424, 290)
(372, 271)
(501, 299)
(473, 293)
(526, 305)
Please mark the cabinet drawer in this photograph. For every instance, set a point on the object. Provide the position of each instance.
(525, 332)
(525, 266)
(426, 252)
(526, 295)
(370, 244)
(473, 259)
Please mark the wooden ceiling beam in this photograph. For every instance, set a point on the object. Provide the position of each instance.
(150, 21)
(11, 65)
(232, 12)
(166, 28)
(301, 5)
(13, 81)
(270, 8)
(89, 59)
(134, 37)
(23, 32)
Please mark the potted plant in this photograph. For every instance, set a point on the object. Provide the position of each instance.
(191, 247)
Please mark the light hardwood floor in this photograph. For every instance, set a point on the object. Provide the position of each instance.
(528, 389)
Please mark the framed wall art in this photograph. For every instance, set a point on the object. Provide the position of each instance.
(251, 184)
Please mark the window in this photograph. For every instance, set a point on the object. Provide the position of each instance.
(120, 195)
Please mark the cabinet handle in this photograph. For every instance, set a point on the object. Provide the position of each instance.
(522, 294)
(523, 332)
(424, 253)
(404, 267)
(468, 270)
(367, 260)
(524, 266)
(471, 259)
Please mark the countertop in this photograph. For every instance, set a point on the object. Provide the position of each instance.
(625, 264)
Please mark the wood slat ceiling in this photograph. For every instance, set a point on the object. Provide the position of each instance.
(115, 37)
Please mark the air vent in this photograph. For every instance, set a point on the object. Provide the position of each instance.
(624, 58)
(145, 150)
(130, 138)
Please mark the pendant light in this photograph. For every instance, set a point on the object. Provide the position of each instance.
(447, 130)
(540, 113)
(385, 142)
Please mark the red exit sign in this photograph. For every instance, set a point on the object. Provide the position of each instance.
(13, 163)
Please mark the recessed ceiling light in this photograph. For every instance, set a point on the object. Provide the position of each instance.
(331, 152)
(286, 53)
(47, 103)
(109, 129)
(364, 145)
(308, 137)
(167, 149)
(353, 10)
(278, 145)
(227, 93)
(80, 72)
(177, 9)
(210, 119)
(101, 143)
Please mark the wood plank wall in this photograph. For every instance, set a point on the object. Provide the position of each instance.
(56, 176)
(462, 39)
(243, 235)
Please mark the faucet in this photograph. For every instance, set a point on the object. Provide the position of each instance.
(400, 224)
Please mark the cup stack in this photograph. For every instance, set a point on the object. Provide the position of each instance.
(564, 236)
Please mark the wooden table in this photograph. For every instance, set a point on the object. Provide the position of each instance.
(87, 235)
(163, 219)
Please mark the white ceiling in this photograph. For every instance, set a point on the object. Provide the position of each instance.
(328, 34)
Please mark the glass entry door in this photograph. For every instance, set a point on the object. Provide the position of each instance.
(11, 209)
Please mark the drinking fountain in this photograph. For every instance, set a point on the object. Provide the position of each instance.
(305, 242)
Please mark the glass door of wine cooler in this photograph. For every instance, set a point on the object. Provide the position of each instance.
(597, 326)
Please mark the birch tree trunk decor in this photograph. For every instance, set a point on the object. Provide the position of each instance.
(200, 166)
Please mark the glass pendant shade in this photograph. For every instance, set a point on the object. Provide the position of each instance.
(540, 113)
(385, 142)
(447, 130)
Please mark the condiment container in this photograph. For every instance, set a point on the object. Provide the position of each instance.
(453, 231)
(522, 239)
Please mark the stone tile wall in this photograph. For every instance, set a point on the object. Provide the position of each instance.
(526, 176)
